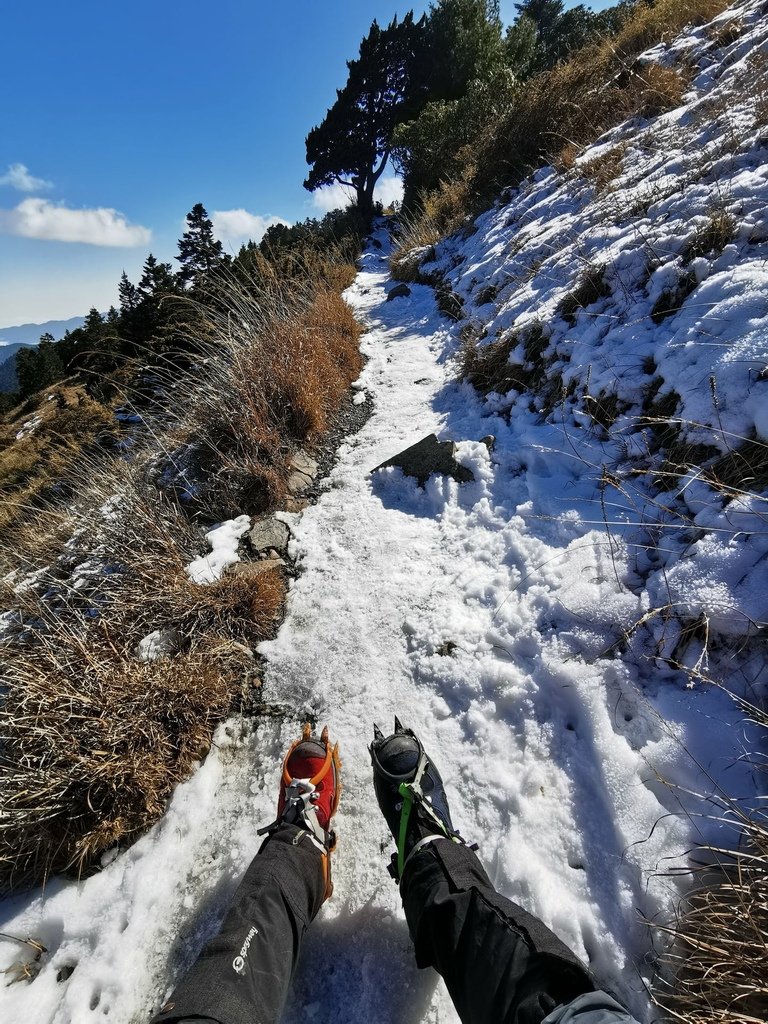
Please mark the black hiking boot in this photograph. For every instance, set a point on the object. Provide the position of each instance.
(410, 793)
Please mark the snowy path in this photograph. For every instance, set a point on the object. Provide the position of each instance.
(450, 607)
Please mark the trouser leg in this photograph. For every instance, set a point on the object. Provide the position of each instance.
(242, 975)
(500, 964)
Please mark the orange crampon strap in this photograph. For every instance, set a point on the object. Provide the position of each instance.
(331, 756)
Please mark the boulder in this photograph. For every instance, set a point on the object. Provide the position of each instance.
(430, 456)
(400, 291)
(269, 533)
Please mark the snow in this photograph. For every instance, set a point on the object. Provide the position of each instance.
(223, 542)
(524, 623)
(157, 644)
(29, 427)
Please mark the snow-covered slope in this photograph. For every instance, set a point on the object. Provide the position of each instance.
(489, 615)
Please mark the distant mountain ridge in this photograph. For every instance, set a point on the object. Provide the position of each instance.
(24, 336)
(29, 334)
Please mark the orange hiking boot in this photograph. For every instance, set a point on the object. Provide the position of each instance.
(310, 788)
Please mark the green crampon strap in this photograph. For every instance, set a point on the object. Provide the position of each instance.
(405, 813)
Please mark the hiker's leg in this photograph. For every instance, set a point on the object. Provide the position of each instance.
(500, 964)
(243, 974)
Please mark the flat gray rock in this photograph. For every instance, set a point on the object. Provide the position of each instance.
(269, 533)
(302, 463)
(303, 472)
(430, 456)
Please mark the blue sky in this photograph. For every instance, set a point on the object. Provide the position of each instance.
(118, 119)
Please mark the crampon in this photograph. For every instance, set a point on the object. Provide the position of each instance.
(310, 788)
(410, 794)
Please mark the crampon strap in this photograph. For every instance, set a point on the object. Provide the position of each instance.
(412, 793)
(300, 810)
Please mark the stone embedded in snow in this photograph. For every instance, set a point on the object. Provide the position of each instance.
(400, 291)
(429, 456)
(291, 504)
(303, 472)
(269, 533)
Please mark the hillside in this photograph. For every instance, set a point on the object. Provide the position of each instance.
(577, 631)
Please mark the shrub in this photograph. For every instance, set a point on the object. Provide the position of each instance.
(488, 367)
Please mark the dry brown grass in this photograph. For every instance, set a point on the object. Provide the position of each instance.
(93, 738)
(439, 213)
(756, 84)
(590, 288)
(270, 381)
(92, 748)
(714, 970)
(712, 237)
(70, 425)
(569, 107)
(604, 169)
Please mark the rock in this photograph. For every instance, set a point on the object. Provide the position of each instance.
(430, 456)
(302, 463)
(250, 570)
(295, 504)
(489, 441)
(298, 483)
(303, 473)
(269, 533)
(400, 291)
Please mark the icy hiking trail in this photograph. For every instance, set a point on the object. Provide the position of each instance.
(459, 608)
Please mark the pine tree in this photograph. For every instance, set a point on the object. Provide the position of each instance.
(37, 368)
(200, 252)
(127, 294)
(352, 144)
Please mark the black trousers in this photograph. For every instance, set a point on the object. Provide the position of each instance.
(500, 964)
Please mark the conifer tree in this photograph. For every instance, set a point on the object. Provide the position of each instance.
(36, 368)
(352, 144)
(200, 252)
(127, 295)
(464, 45)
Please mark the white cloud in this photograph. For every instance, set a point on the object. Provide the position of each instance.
(337, 197)
(332, 197)
(17, 176)
(39, 218)
(235, 227)
(389, 190)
